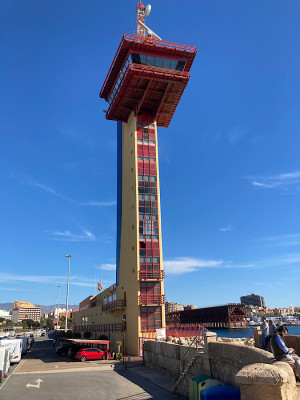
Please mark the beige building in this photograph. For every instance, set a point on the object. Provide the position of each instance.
(133, 309)
(25, 310)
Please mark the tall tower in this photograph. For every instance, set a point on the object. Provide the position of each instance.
(143, 88)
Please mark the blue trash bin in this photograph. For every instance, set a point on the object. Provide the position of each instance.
(220, 392)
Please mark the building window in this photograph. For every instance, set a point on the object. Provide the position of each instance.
(160, 62)
(150, 317)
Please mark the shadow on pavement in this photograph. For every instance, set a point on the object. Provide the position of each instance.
(150, 388)
(43, 350)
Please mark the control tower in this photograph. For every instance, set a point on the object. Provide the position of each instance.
(143, 88)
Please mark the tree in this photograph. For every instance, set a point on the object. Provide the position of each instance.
(9, 322)
(63, 321)
(46, 323)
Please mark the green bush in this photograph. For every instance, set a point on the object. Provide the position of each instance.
(119, 356)
(76, 335)
(102, 337)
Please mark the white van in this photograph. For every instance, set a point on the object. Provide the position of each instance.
(4, 362)
(15, 349)
(25, 344)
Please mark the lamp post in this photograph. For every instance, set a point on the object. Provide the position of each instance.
(67, 305)
(57, 322)
(55, 310)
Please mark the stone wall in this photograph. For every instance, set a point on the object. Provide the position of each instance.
(226, 359)
(217, 359)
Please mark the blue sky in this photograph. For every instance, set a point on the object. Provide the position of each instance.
(229, 161)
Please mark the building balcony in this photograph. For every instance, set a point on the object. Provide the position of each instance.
(151, 275)
(151, 300)
(114, 305)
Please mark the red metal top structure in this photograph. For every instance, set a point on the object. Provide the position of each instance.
(147, 75)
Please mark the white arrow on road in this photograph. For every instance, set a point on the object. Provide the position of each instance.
(35, 386)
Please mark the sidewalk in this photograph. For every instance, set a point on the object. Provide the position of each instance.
(161, 380)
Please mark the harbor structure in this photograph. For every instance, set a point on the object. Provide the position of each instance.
(143, 88)
(231, 315)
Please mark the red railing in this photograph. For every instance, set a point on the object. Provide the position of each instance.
(151, 275)
(155, 299)
(185, 330)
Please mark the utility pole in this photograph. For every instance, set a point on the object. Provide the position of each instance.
(67, 302)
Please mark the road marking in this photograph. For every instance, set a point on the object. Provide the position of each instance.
(35, 386)
(18, 367)
(6, 380)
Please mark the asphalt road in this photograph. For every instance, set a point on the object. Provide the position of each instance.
(44, 376)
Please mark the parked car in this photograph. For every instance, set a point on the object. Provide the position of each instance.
(92, 354)
(62, 350)
(74, 350)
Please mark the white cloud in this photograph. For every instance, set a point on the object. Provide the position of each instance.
(283, 240)
(99, 203)
(185, 264)
(228, 228)
(67, 236)
(285, 181)
(94, 203)
(236, 134)
(107, 267)
(47, 279)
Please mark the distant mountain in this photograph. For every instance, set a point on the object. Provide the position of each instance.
(6, 306)
(44, 310)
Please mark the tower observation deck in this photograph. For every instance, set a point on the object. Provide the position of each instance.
(147, 75)
(143, 88)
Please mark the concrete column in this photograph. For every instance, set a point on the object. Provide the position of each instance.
(209, 337)
(264, 382)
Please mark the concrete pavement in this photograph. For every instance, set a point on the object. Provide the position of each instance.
(43, 375)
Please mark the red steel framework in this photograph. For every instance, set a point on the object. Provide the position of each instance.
(231, 315)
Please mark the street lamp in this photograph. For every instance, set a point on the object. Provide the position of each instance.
(55, 310)
(67, 305)
(57, 322)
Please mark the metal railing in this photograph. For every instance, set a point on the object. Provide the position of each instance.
(155, 299)
(151, 275)
(114, 305)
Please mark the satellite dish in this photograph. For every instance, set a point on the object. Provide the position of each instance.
(147, 9)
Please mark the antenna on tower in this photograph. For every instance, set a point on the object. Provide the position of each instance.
(141, 12)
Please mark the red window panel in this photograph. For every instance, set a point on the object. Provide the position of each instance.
(150, 317)
(155, 252)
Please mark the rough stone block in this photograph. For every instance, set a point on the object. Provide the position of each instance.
(158, 347)
(171, 350)
(262, 381)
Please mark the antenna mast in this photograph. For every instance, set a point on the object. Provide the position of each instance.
(140, 16)
(141, 29)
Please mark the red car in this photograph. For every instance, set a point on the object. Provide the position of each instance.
(91, 354)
